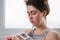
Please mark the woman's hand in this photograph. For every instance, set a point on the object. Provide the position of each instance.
(17, 37)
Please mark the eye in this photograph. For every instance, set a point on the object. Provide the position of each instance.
(33, 13)
(28, 13)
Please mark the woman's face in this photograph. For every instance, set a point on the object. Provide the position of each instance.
(34, 15)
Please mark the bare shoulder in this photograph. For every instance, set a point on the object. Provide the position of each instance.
(52, 35)
(27, 31)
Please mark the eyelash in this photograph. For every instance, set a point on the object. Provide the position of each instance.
(33, 13)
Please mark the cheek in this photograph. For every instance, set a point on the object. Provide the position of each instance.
(37, 18)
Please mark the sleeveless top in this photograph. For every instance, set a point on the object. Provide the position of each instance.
(42, 36)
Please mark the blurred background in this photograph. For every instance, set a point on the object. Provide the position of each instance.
(13, 17)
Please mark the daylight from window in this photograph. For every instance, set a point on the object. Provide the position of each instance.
(16, 16)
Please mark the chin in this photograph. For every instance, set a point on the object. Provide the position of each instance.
(33, 24)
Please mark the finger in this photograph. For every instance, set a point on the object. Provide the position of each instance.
(8, 38)
(14, 38)
(19, 37)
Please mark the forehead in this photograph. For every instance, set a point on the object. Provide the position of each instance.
(31, 8)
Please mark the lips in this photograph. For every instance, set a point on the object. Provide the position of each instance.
(32, 21)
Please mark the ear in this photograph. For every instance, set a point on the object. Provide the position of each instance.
(44, 13)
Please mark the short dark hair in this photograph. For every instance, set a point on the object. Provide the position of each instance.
(39, 4)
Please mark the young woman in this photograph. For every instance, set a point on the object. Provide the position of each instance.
(37, 11)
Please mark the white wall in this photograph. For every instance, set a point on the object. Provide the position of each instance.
(53, 19)
(15, 14)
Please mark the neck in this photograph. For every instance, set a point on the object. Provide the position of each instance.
(40, 28)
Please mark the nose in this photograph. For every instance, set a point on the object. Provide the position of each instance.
(30, 17)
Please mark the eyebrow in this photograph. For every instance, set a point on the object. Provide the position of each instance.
(32, 11)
